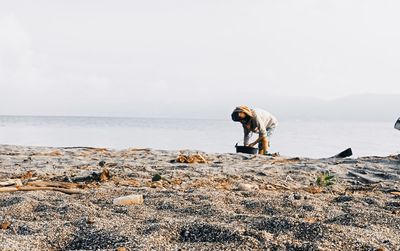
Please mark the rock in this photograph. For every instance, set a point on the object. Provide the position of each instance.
(343, 198)
(18, 183)
(5, 225)
(297, 196)
(90, 220)
(246, 187)
(105, 175)
(133, 199)
(90, 176)
(102, 163)
(156, 177)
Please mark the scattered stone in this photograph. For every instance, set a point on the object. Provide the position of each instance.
(105, 175)
(5, 225)
(296, 196)
(90, 220)
(204, 232)
(343, 198)
(133, 199)
(156, 177)
(91, 176)
(246, 187)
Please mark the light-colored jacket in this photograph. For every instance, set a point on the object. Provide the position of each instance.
(260, 122)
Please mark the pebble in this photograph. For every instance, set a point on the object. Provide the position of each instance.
(5, 225)
(246, 187)
(133, 199)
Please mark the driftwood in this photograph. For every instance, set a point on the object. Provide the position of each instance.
(66, 185)
(16, 185)
(33, 188)
(195, 158)
(8, 183)
(346, 153)
(364, 178)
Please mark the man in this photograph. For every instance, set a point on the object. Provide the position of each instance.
(258, 121)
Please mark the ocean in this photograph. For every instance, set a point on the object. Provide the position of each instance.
(315, 139)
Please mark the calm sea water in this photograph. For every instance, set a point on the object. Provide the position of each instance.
(292, 138)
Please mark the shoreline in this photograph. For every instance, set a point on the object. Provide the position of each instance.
(232, 201)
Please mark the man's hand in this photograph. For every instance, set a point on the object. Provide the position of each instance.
(252, 144)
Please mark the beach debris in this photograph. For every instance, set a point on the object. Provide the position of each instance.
(17, 185)
(66, 185)
(33, 188)
(190, 159)
(275, 186)
(28, 175)
(277, 154)
(246, 187)
(155, 184)
(5, 225)
(326, 179)
(129, 182)
(11, 182)
(395, 193)
(90, 176)
(105, 175)
(133, 199)
(313, 189)
(90, 220)
(397, 124)
(346, 153)
(363, 178)
(102, 163)
(158, 181)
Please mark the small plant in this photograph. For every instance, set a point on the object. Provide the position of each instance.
(326, 179)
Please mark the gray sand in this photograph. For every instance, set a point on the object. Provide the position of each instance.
(232, 202)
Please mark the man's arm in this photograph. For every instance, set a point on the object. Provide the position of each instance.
(264, 141)
(246, 136)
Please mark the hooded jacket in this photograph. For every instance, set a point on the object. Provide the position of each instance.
(260, 121)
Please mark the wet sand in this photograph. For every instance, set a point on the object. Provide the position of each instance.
(231, 202)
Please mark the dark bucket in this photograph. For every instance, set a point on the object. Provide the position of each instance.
(246, 149)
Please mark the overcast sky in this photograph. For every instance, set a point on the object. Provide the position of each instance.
(148, 58)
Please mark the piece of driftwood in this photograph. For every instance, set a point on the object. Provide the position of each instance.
(346, 153)
(33, 188)
(40, 183)
(12, 182)
(364, 178)
(7, 183)
(8, 189)
(397, 124)
(190, 159)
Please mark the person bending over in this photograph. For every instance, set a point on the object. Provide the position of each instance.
(257, 121)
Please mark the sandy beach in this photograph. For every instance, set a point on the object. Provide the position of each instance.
(218, 202)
